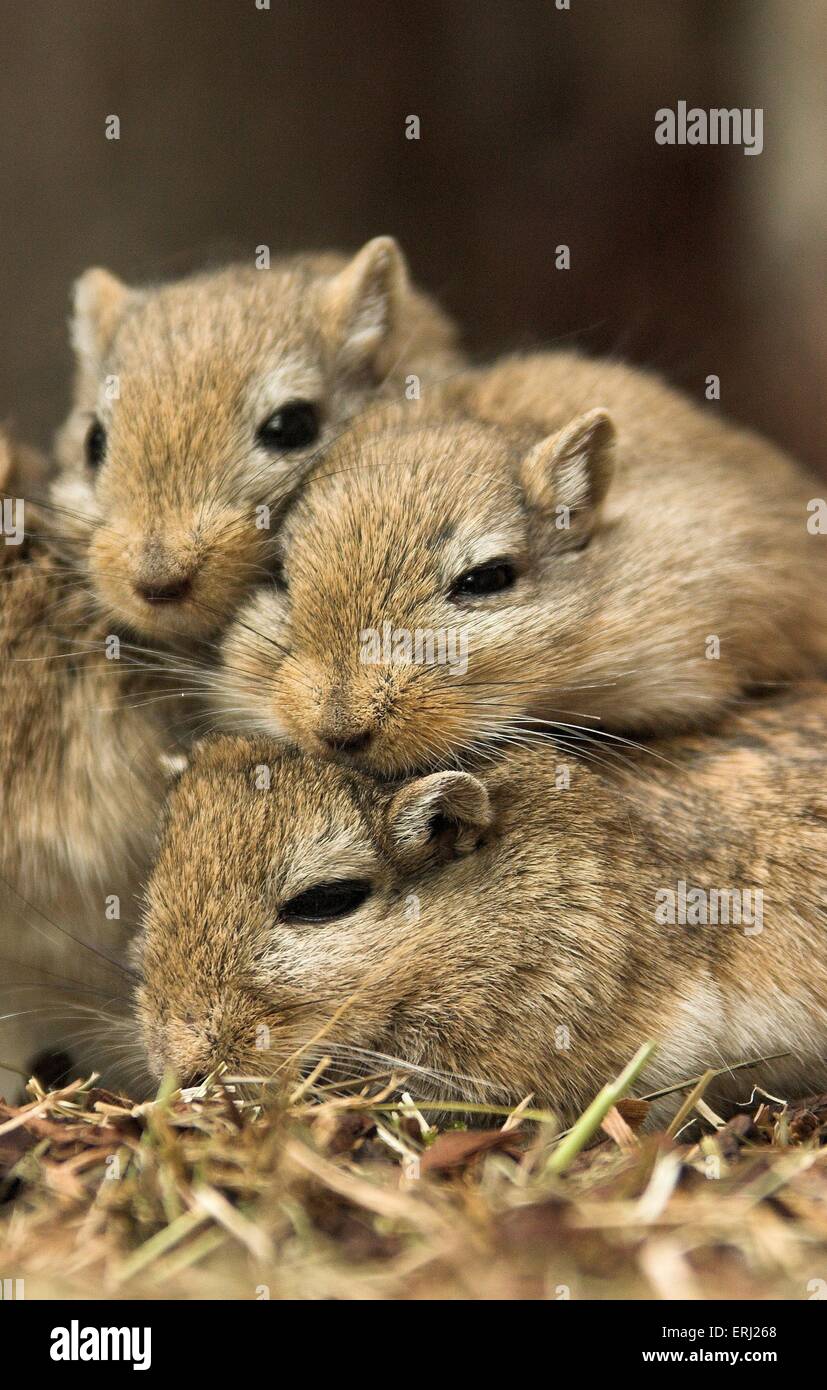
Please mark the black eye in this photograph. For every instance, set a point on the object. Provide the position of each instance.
(293, 426)
(326, 901)
(95, 444)
(485, 579)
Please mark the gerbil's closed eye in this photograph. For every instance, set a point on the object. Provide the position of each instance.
(326, 901)
(294, 425)
(490, 578)
(95, 444)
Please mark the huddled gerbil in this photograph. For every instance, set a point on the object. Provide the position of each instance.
(197, 405)
(85, 741)
(81, 746)
(578, 544)
(412, 590)
(512, 933)
(200, 403)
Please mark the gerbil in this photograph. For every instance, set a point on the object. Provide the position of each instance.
(83, 746)
(513, 932)
(81, 768)
(583, 545)
(199, 404)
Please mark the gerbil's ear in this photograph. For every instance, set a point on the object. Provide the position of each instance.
(99, 302)
(569, 473)
(444, 813)
(363, 303)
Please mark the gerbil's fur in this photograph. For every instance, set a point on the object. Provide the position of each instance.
(80, 783)
(180, 378)
(511, 939)
(81, 768)
(662, 564)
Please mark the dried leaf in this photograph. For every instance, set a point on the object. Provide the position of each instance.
(618, 1130)
(458, 1147)
(634, 1111)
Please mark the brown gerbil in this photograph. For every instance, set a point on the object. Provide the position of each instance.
(199, 404)
(84, 743)
(522, 933)
(581, 545)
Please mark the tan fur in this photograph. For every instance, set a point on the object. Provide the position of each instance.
(511, 936)
(199, 365)
(81, 742)
(681, 528)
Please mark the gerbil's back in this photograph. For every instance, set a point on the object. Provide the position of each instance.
(762, 769)
(657, 425)
(716, 521)
(681, 890)
(745, 802)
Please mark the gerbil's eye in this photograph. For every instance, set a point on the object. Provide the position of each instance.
(95, 444)
(326, 901)
(292, 426)
(485, 579)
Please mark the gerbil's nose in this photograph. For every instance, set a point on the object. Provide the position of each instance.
(341, 727)
(168, 591)
(347, 743)
(161, 573)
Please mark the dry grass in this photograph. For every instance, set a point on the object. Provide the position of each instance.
(353, 1193)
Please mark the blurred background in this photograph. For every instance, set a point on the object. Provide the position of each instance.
(286, 126)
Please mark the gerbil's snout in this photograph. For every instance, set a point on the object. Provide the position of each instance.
(161, 577)
(385, 718)
(172, 591)
(184, 577)
(192, 1017)
(347, 721)
(190, 1048)
(341, 742)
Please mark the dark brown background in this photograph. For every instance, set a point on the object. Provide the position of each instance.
(241, 126)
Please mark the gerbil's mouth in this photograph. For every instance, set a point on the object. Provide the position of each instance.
(373, 757)
(173, 591)
(169, 609)
(162, 589)
(347, 747)
(183, 618)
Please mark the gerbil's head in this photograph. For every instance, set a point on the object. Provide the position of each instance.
(199, 405)
(435, 582)
(292, 898)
